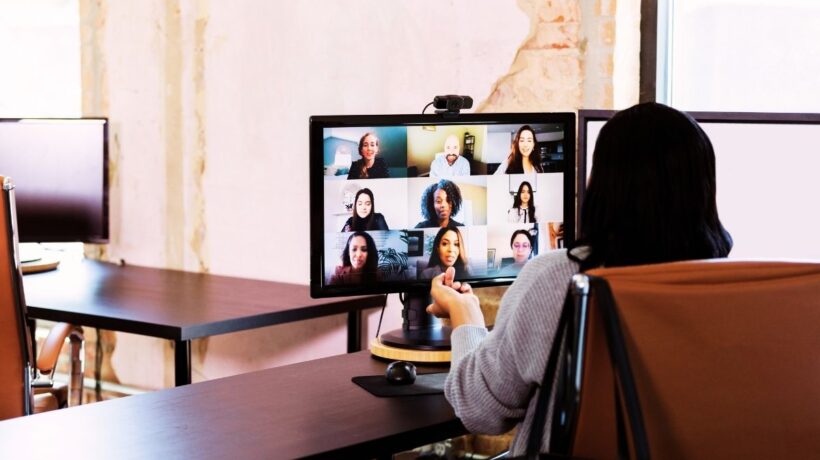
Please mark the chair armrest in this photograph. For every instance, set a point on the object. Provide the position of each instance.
(50, 351)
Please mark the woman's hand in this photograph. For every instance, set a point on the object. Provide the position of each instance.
(455, 300)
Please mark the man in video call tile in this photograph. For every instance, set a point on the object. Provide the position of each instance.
(450, 163)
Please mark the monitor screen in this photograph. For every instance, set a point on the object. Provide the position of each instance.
(766, 166)
(396, 199)
(59, 169)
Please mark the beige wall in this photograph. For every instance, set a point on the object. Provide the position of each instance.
(209, 103)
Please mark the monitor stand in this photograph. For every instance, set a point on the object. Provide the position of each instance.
(422, 337)
(34, 259)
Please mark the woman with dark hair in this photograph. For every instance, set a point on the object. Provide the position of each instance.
(439, 203)
(523, 208)
(522, 246)
(369, 167)
(650, 199)
(449, 250)
(524, 158)
(360, 261)
(365, 216)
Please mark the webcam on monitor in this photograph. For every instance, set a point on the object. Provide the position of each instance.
(452, 104)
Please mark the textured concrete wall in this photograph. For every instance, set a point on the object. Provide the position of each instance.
(209, 103)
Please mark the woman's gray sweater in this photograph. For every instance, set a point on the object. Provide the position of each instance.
(494, 375)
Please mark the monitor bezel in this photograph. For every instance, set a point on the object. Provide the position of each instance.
(57, 237)
(316, 183)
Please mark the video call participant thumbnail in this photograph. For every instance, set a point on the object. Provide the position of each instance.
(523, 208)
(365, 216)
(522, 246)
(370, 166)
(524, 157)
(360, 261)
(450, 163)
(449, 250)
(439, 202)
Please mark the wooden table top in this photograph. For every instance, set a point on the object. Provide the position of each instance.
(173, 304)
(299, 410)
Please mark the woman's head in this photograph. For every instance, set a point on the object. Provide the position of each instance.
(524, 197)
(651, 193)
(441, 201)
(523, 149)
(360, 253)
(521, 245)
(449, 250)
(369, 146)
(364, 203)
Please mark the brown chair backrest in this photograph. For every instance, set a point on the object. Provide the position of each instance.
(15, 345)
(725, 357)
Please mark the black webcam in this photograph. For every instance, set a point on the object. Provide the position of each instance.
(451, 104)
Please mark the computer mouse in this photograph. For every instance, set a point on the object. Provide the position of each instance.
(400, 373)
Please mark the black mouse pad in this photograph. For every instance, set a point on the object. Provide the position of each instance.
(425, 384)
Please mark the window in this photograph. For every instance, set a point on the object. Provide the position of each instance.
(733, 55)
(40, 49)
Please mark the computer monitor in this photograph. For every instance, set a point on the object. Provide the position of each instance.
(766, 166)
(60, 171)
(436, 183)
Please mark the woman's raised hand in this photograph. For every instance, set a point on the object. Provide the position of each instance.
(455, 300)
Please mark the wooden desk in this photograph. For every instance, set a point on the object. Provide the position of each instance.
(300, 410)
(176, 305)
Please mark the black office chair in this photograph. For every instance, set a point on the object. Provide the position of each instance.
(26, 385)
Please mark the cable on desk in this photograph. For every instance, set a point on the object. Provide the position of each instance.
(381, 315)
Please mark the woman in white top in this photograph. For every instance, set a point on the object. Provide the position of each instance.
(523, 208)
(524, 158)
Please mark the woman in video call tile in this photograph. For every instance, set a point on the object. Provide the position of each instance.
(368, 167)
(524, 157)
(360, 261)
(449, 250)
(439, 202)
(521, 245)
(523, 209)
(450, 162)
(365, 216)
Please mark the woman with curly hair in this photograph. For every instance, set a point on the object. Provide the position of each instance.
(449, 250)
(439, 202)
(524, 158)
(360, 261)
(365, 216)
(369, 167)
(523, 208)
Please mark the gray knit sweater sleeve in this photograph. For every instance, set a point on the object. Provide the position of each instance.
(493, 375)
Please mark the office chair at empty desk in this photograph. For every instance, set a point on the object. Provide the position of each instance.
(26, 384)
(704, 359)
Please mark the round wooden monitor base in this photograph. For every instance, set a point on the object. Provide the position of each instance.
(381, 350)
(41, 265)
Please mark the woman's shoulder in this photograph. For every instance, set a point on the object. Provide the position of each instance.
(554, 268)
(341, 270)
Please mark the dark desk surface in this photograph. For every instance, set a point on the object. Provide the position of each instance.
(305, 409)
(172, 304)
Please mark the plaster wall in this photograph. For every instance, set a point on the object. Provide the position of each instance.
(209, 105)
